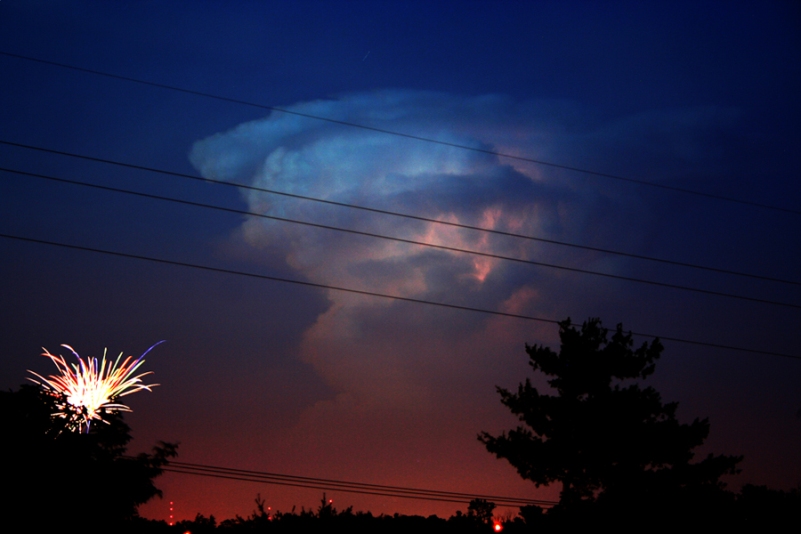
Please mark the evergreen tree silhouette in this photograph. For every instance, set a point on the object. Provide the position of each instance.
(614, 446)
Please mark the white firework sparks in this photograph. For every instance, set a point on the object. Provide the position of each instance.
(89, 388)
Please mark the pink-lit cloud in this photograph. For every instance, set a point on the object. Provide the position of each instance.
(396, 367)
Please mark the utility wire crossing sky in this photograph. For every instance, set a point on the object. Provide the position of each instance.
(523, 161)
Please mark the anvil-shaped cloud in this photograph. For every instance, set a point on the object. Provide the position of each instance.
(388, 357)
(335, 162)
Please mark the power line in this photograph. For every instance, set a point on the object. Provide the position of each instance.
(401, 215)
(371, 293)
(408, 136)
(316, 486)
(406, 241)
(345, 486)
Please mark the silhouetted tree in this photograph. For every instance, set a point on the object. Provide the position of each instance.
(200, 525)
(55, 477)
(481, 510)
(614, 446)
(762, 509)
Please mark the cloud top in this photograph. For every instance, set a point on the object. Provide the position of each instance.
(301, 155)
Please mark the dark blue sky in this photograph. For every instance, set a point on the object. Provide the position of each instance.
(275, 377)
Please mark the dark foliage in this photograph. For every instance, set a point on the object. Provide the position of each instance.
(327, 519)
(55, 477)
(756, 509)
(481, 510)
(617, 450)
(762, 509)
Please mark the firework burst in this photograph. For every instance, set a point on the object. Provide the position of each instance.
(86, 390)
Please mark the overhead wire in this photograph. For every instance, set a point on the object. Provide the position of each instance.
(408, 136)
(402, 240)
(373, 489)
(398, 214)
(345, 123)
(369, 293)
(345, 486)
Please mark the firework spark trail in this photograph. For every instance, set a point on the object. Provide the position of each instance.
(88, 389)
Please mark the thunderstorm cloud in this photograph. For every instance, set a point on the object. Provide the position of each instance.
(389, 360)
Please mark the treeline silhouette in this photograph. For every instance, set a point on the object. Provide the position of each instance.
(621, 456)
(326, 518)
(754, 509)
(57, 480)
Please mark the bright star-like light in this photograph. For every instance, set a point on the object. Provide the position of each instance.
(86, 390)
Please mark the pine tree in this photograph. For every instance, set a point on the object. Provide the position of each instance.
(608, 441)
